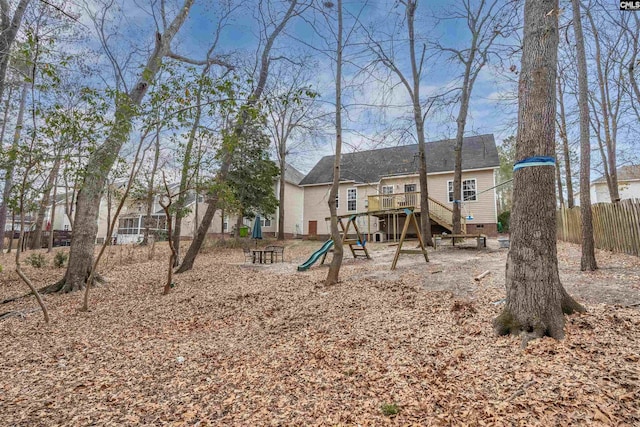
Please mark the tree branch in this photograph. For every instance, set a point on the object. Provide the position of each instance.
(208, 61)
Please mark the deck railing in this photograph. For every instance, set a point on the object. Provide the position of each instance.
(438, 211)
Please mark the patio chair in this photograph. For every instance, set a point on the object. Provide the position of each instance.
(278, 251)
(248, 256)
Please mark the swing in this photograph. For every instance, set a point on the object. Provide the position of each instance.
(469, 216)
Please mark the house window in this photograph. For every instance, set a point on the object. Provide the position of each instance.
(129, 226)
(157, 222)
(265, 222)
(469, 190)
(225, 225)
(387, 189)
(409, 188)
(352, 199)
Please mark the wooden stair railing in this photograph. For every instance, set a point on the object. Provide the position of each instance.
(438, 211)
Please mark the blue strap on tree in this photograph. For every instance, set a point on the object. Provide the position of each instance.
(535, 161)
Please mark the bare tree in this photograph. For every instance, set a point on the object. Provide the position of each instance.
(188, 171)
(535, 300)
(270, 30)
(564, 137)
(607, 105)
(102, 159)
(291, 110)
(10, 165)
(413, 89)
(486, 21)
(338, 250)
(9, 26)
(113, 219)
(588, 259)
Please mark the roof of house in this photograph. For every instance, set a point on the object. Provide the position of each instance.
(292, 175)
(625, 173)
(478, 152)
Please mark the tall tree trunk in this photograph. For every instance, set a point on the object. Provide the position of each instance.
(212, 202)
(100, 162)
(53, 217)
(425, 220)
(281, 195)
(36, 242)
(13, 230)
(633, 62)
(8, 175)
(610, 143)
(8, 30)
(151, 190)
(565, 145)
(338, 250)
(7, 178)
(187, 170)
(536, 299)
(461, 121)
(588, 259)
(559, 182)
(239, 224)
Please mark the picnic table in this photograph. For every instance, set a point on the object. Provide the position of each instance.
(262, 255)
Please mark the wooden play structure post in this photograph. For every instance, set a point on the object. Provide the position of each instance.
(410, 216)
(358, 245)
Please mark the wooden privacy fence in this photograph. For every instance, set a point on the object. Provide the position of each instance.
(616, 226)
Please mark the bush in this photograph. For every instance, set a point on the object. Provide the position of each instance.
(36, 260)
(504, 218)
(60, 259)
(390, 410)
(161, 236)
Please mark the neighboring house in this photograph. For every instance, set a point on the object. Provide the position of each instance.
(293, 207)
(628, 185)
(130, 224)
(387, 179)
(293, 204)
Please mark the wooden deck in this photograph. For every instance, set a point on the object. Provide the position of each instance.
(385, 204)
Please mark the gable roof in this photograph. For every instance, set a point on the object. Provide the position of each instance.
(625, 173)
(292, 175)
(478, 152)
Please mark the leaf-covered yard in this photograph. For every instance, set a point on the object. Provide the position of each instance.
(236, 344)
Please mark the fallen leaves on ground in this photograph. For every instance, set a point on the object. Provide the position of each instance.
(236, 344)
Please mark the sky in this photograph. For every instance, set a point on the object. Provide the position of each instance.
(365, 121)
(374, 101)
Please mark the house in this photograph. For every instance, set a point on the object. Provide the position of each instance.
(628, 185)
(293, 207)
(131, 220)
(293, 204)
(381, 182)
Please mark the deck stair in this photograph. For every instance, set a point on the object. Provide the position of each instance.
(438, 212)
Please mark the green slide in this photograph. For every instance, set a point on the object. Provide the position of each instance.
(316, 255)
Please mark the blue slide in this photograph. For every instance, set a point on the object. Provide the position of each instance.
(316, 255)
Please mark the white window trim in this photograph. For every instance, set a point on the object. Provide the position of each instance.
(414, 186)
(355, 199)
(386, 186)
(450, 182)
